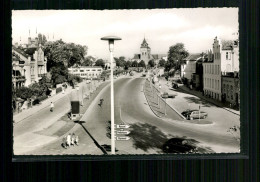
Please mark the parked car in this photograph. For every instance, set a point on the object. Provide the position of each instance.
(177, 145)
(165, 95)
(194, 114)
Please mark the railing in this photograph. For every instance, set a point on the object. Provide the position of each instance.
(43, 74)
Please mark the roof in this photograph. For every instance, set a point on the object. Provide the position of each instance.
(227, 44)
(30, 51)
(137, 56)
(193, 57)
(159, 56)
(86, 67)
(20, 51)
(144, 44)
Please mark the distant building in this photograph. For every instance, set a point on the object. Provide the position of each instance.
(231, 88)
(28, 63)
(188, 66)
(86, 72)
(222, 59)
(146, 56)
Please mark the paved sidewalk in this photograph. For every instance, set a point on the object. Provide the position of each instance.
(198, 94)
(46, 103)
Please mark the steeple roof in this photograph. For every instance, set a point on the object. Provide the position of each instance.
(144, 44)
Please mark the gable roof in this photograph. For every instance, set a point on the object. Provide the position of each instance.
(20, 51)
(137, 56)
(193, 57)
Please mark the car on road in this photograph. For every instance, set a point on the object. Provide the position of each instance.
(166, 95)
(194, 114)
(177, 145)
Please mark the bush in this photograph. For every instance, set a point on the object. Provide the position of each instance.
(36, 101)
(42, 98)
(58, 90)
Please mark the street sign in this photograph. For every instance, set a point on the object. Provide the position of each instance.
(122, 126)
(123, 138)
(122, 132)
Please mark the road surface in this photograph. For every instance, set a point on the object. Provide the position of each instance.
(148, 132)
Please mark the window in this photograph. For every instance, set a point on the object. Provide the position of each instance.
(218, 69)
(81, 70)
(226, 55)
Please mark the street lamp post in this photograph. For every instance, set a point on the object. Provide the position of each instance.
(111, 40)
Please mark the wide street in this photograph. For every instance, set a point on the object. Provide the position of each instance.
(148, 132)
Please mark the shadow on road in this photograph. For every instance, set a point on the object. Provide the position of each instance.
(196, 100)
(146, 136)
(96, 143)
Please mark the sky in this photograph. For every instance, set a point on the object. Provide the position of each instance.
(162, 28)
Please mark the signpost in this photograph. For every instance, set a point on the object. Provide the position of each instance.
(122, 126)
(123, 138)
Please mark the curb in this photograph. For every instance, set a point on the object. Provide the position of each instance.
(172, 107)
(150, 106)
(210, 101)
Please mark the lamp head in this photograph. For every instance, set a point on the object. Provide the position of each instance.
(111, 40)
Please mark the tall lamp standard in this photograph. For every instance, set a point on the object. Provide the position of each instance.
(111, 40)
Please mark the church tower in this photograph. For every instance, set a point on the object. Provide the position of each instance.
(145, 52)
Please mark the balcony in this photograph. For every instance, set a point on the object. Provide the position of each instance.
(43, 74)
(19, 78)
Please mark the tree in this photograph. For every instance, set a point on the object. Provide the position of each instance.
(100, 62)
(128, 64)
(176, 54)
(141, 64)
(88, 61)
(24, 92)
(120, 62)
(67, 53)
(151, 63)
(134, 63)
(59, 74)
(162, 63)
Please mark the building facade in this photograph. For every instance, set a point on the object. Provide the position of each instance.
(29, 63)
(188, 66)
(231, 89)
(86, 72)
(222, 59)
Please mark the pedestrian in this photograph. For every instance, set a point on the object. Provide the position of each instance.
(73, 139)
(64, 142)
(77, 140)
(52, 107)
(101, 102)
(69, 140)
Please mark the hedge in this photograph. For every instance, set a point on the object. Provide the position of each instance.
(58, 90)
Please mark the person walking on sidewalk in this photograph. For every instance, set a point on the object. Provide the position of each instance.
(69, 140)
(52, 107)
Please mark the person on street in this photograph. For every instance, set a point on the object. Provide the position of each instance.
(101, 102)
(69, 140)
(64, 142)
(77, 140)
(73, 137)
(52, 107)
